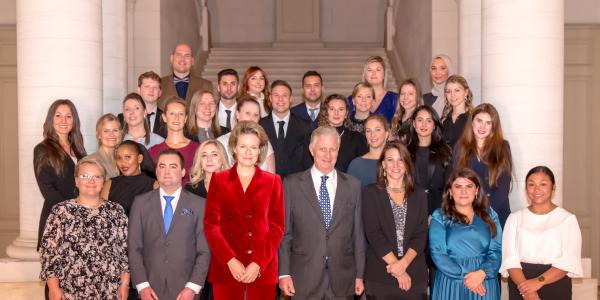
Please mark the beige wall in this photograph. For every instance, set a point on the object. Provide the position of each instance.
(179, 23)
(412, 42)
(353, 21)
(581, 137)
(444, 33)
(249, 21)
(9, 174)
(582, 12)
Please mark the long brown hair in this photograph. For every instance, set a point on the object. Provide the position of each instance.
(191, 125)
(495, 153)
(324, 113)
(249, 73)
(480, 203)
(408, 180)
(400, 111)
(54, 156)
(469, 97)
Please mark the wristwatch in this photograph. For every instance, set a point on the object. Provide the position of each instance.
(541, 279)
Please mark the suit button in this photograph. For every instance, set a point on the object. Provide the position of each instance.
(249, 233)
(249, 251)
(249, 216)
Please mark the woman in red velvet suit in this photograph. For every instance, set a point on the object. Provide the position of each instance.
(244, 220)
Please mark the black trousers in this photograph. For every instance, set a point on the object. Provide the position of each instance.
(559, 290)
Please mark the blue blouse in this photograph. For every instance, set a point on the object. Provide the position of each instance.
(458, 249)
(387, 107)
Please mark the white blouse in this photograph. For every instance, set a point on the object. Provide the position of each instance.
(550, 239)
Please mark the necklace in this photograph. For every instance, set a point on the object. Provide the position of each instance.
(394, 189)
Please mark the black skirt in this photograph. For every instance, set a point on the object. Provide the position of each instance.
(559, 290)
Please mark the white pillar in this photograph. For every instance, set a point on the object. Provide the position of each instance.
(131, 78)
(469, 45)
(114, 53)
(523, 66)
(59, 54)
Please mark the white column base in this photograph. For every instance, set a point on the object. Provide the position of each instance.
(24, 249)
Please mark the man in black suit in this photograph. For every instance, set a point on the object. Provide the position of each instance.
(312, 94)
(288, 133)
(149, 87)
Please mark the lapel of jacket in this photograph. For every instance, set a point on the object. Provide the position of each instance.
(308, 188)
(267, 124)
(291, 130)
(169, 86)
(156, 210)
(242, 198)
(341, 197)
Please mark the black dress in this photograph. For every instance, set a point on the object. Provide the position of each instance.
(451, 131)
(353, 145)
(54, 187)
(199, 189)
(123, 189)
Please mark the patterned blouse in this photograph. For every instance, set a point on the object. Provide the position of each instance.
(399, 212)
(85, 249)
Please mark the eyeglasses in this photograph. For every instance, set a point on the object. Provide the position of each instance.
(90, 177)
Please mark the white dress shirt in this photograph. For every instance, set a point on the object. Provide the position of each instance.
(222, 115)
(550, 239)
(163, 203)
(308, 108)
(286, 121)
(152, 119)
(330, 184)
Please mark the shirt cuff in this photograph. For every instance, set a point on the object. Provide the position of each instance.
(141, 286)
(283, 276)
(194, 287)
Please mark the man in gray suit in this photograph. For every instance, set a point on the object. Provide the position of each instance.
(168, 253)
(322, 253)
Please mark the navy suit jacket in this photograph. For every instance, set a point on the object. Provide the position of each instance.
(301, 111)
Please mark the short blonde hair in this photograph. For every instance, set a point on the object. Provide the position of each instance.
(249, 127)
(89, 161)
(103, 120)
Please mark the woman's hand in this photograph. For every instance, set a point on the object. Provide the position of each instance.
(474, 279)
(397, 268)
(236, 268)
(529, 286)
(251, 273)
(532, 296)
(55, 294)
(123, 291)
(404, 281)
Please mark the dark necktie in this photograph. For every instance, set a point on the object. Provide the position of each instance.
(181, 85)
(148, 116)
(280, 135)
(168, 215)
(228, 121)
(324, 202)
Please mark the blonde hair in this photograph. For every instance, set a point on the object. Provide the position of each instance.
(468, 100)
(103, 120)
(249, 127)
(191, 120)
(89, 161)
(375, 59)
(197, 173)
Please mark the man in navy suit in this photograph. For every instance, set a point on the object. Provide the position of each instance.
(289, 134)
(312, 95)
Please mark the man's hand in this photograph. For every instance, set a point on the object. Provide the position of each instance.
(186, 294)
(286, 285)
(148, 294)
(236, 268)
(252, 272)
(359, 287)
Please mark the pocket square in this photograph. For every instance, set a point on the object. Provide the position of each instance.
(187, 212)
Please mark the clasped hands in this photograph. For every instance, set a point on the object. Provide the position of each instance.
(247, 274)
(474, 282)
(529, 288)
(398, 270)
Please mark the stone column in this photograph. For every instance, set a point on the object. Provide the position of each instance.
(114, 53)
(523, 66)
(59, 48)
(469, 45)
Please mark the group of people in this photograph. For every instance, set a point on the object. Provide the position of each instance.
(195, 194)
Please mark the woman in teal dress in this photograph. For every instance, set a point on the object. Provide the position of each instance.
(465, 242)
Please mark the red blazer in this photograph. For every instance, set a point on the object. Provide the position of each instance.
(247, 226)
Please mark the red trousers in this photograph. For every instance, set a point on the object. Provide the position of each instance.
(235, 292)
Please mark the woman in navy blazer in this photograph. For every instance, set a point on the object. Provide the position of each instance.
(395, 222)
(244, 220)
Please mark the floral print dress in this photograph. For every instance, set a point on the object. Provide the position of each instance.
(85, 249)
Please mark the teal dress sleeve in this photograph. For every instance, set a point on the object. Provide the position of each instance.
(439, 249)
(493, 259)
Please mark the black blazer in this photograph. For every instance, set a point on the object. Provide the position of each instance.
(429, 99)
(353, 144)
(159, 127)
(294, 155)
(301, 111)
(380, 229)
(54, 188)
(437, 174)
